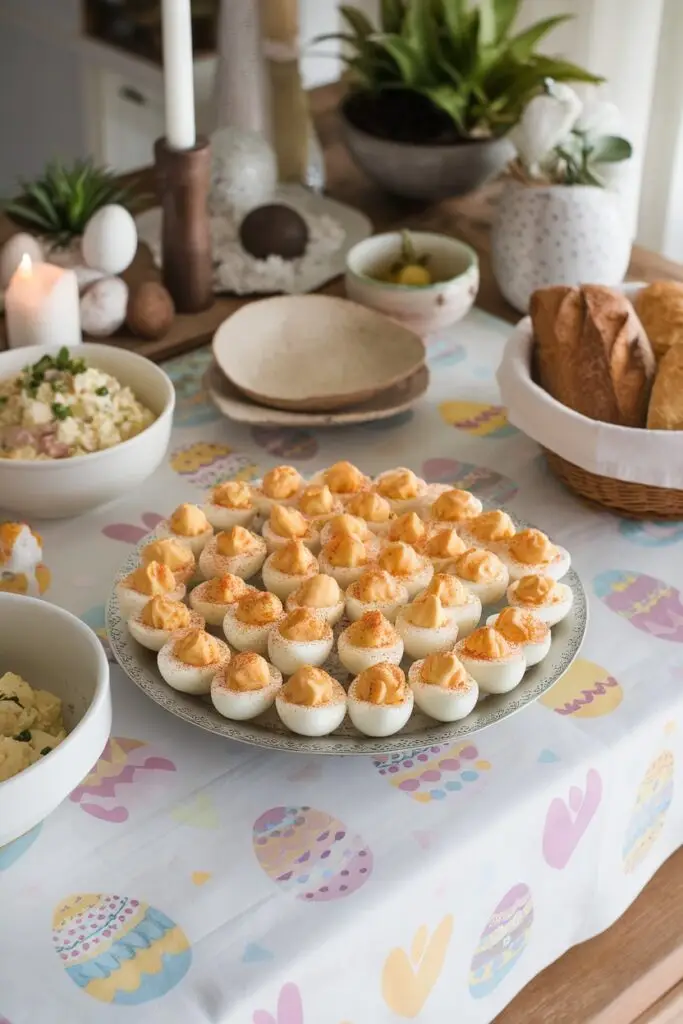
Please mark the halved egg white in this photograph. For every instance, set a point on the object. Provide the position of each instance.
(246, 636)
(131, 602)
(533, 652)
(331, 614)
(214, 612)
(282, 584)
(212, 563)
(319, 720)
(182, 575)
(551, 613)
(344, 575)
(466, 616)
(440, 702)
(291, 655)
(222, 517)
(265, 502)
(242, 705)
(344, 496)
(370, 540)
(420, 641)
(195, 544)
(496, 546)
(356, 659)
(419, 579)
(475, 508)
(154, 639)
(356, 609)
(401, 505)
(556, 569)
(192, 679)
(274, 541)
(499, 675)
(378, 719)
(488, 591)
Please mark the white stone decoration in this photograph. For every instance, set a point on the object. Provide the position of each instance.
(243, 172)
(103, 307)
(110, 240)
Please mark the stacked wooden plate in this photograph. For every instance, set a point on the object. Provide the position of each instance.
(313, 360)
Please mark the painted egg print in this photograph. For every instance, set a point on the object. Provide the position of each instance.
(478, 419)
(653, 800)
(444, 352)
(194, 407)
(586, 690)
(206, 464)
(296, 445)
(124, 762)
(119, 950)
(651, 535)
(11, 853)
(650, 605)
(435, 772)
(502, 942)
(492, 487)
(310, 854)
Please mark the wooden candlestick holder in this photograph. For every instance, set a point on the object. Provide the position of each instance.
(183, 180)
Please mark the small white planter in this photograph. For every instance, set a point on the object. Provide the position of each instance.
(557, 234)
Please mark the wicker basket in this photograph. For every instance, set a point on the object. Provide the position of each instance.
(635, 501)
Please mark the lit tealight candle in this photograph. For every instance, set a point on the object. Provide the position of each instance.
(42, 306)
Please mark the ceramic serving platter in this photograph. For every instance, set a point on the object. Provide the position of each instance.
(421, 731)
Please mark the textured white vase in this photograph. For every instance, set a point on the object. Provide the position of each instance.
(241, 98)
(557, 234)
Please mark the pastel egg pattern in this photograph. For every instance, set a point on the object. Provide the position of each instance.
(652, 606)
(478, 419)
(194, 407)
(123, 763)
(119, 950)
(13, 852)
(653, 800)
(311, 854)
(435, 772)
(502, 942)
(443, 352)
(586, 690)
(206, 464)
(651, 535)
(490, 486)
(286, 443)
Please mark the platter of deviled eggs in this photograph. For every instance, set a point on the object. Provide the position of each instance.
(343, 614)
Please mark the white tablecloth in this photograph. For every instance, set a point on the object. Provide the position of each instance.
(193, 880)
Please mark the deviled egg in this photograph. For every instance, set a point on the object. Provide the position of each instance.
(531, 553)
(286, 524)
(369, 641)
(373, 509)
(288, 567)
(280, 486)
(496, 664)
(406, 565)
(490, 530)
(301, 638)
(346, 525)
(458, 603)
(483, 573)
(343, 479)
(235, 552)
(188, 525)
(455, 506)
(213, 598)
(403, 490)
(247, 622)
(319, 503)
(375, 591)
(171, 553)
(443, 545)
(523, 628)
(153, 626)
(147, 581)
(547, 599)
(232, 503)
(320, 594)
(409, 529)
(245, 687)
(189, 660)
(311, 703)
(380, 701)
(344, 559)
(425, 627)
(443, 688)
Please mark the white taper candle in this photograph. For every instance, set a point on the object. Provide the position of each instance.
(178, 73)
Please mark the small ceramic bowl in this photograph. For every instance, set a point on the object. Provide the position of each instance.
(453, 265)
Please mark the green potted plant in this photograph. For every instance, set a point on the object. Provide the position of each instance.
(435, 88)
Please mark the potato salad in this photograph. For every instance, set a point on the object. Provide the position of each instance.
(31, 724)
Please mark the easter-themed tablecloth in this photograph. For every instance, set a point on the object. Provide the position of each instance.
(190, 879)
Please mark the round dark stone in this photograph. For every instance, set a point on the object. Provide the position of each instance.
(274, 230)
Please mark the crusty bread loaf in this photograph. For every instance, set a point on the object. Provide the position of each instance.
(593, 354)
(666, 404)
(660, 308)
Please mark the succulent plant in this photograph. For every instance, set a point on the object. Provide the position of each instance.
(463, 58)
(59, 204)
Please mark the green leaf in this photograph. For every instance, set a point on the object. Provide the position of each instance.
(340, 37)
(26, 215)
(421, 30)
(610, 149)
(455, 14)
(392, 14)
(403, 54)
(505, 12)
(451, 101)
(524, 44)
(42, 202)
(358, 22)
(563, 70)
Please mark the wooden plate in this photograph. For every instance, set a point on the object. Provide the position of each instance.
(233, 404)
(314, 353)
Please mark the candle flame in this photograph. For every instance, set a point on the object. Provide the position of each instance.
(25, 265)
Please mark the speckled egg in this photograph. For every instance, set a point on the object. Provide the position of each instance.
(502, 942)
(435, 772)
(310, 854)
(586, 690)
(652, 606)
(119, 950)
(653, 800)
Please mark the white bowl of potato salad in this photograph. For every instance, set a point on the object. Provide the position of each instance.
(78, 427)
(55, 709)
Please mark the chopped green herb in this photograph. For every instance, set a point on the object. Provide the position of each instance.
(13, 697)
(63, 359)
(24, 737)
(3, 400)
(45, 750)
(102, 391)
(62, 412)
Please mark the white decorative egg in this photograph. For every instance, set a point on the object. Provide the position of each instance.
(103, 307)
(21, 244)
(110, 239)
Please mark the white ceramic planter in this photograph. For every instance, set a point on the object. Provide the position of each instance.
(557, 234)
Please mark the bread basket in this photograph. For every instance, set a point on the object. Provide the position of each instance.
(634, 473)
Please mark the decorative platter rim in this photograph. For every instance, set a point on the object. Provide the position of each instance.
(140, 667)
